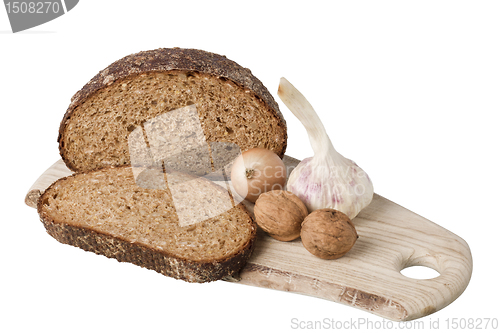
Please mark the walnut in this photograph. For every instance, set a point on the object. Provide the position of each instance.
(280, 214)
(328, 233)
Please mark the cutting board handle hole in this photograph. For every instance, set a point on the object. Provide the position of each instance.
(419, 272)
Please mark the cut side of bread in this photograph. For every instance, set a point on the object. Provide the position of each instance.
(232, 105)
(106, 212)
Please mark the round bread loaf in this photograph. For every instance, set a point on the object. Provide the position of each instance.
(232, 104)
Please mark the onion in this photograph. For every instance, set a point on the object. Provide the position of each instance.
(257, 171)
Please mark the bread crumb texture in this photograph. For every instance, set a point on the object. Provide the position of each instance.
(109, 202)
(96, 133)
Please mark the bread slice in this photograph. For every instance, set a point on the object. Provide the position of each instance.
(107, 212)
(232, 104)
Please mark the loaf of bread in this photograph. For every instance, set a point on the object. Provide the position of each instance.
(108, 213)
(233, 106)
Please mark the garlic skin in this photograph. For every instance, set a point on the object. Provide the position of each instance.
(328, 179)
(345, 188)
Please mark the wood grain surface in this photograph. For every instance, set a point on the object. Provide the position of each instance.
(368, 277)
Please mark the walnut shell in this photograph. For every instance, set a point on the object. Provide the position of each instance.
(280, 214)
(328, 233)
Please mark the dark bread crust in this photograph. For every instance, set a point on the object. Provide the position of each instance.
(173, 59)
(162, 262)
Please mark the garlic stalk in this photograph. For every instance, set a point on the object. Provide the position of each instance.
(328, 179)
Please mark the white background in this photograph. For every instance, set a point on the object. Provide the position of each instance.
(408, 90)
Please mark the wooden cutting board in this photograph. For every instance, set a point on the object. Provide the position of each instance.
(368, 277)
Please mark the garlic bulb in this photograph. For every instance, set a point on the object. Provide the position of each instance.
(328, 179)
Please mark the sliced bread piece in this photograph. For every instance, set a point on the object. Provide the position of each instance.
(232, 104)
(106, 212)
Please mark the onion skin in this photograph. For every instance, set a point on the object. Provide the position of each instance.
(257, 171)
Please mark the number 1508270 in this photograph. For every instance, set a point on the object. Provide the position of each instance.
(32, 7)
